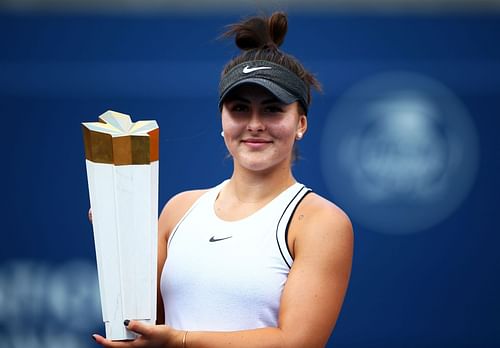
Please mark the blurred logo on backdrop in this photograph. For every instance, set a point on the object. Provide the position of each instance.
(399, 152)
(46, 305)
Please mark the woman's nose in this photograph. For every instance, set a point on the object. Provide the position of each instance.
(255, 123)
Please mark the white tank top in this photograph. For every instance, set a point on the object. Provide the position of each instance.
(228, 275)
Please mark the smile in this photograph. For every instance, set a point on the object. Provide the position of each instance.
(256, 143)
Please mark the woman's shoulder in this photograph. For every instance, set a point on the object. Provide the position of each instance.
(176, 208)
(184, 199)
(317, 206)
(317, 220)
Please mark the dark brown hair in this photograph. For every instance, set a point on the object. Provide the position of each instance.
(259, 38)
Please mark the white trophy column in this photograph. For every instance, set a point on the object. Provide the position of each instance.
(124, 201)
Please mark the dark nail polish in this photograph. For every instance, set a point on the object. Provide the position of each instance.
(126, 322)
(93, 337)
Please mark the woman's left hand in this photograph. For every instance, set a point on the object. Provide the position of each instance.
(151, 336)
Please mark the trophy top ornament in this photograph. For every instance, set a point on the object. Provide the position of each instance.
(115, 139)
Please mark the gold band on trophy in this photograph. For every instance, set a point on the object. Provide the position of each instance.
(115, 139)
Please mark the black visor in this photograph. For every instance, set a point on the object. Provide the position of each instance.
(281, 82)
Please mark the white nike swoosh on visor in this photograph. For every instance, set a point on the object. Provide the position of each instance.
(247, 69)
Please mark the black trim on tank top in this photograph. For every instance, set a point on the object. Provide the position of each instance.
(290, 220)
(286, 230)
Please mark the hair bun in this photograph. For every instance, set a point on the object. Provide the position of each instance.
(260, 32)
(278, 26)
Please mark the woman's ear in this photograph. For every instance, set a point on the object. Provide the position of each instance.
(302, 126)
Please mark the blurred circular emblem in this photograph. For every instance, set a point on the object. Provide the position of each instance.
(399, 152)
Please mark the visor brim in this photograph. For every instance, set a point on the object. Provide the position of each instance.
(279, 92)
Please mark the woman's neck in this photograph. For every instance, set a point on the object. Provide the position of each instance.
(248, 191)
(254, 187)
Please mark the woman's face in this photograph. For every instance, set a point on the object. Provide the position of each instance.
(259, 130)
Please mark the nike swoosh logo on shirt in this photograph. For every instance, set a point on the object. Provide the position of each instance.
(213, 239)
(247, 69)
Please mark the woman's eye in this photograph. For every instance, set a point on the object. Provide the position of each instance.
(239, 108)
(274, 109)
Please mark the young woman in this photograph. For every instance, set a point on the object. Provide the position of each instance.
(259, 260)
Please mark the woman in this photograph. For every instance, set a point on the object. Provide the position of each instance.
(259, 260)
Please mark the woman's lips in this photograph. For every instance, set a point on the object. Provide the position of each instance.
(256, 143)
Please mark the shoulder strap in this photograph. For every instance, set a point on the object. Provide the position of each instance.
(284, 223)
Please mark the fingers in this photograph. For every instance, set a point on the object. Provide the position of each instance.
(138, 327)
(142, 329)
(110, 344)
(89, 215)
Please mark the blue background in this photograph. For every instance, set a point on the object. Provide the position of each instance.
(436, 288)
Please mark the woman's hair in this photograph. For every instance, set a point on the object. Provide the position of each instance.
(259, 38)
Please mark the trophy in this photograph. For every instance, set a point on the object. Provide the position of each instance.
(122, 172)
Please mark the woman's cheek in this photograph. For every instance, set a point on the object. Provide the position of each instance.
(231, 130)
(283, 131)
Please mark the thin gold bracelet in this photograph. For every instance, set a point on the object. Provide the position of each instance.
(184, 339)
